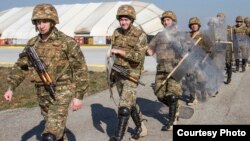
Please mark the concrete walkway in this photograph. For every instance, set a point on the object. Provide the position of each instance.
(97, 120)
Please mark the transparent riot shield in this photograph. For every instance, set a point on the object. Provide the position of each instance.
(218, 54)
(217, 29)
(204, 75)
(241, 44)
(170, 47)
(189, 62)
(109, 61)
(211, 78)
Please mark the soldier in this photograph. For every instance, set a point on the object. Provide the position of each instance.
(129, 46)
(239, 32)
(195, 79)
(247, 23)
(229, 49)
(166, 61)
(65, 64)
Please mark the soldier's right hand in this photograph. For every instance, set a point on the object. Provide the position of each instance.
(8, 95)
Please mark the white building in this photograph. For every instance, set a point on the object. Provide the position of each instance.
(89, 23)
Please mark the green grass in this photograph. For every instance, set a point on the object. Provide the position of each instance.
(24, 95)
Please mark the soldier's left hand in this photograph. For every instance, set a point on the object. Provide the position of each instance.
(76, 104)
(115, 51)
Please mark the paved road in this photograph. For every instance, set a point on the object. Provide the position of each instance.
(96, 121)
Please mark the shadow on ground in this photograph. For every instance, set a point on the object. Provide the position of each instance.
(37, 131)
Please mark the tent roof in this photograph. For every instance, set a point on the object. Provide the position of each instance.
(95, 19)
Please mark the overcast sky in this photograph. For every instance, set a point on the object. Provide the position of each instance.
(184, 9)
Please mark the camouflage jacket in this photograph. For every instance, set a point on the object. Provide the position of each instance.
(63, 59)
(239, 30)
(134, 43)
(167, 53)
(248, 31)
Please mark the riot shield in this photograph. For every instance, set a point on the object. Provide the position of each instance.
(109, 62)
(217, 29)
(173, 47)
(241, 44)
(204, 77)
(213, 78)
(218, 54)
(189, 62)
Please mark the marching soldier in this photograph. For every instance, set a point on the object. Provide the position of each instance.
(166, 61)
(194, 78)
(129, 46)
(240, 50)
(229, 49)
(65, 65)
(247, 23)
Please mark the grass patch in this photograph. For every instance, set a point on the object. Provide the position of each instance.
(24, 95)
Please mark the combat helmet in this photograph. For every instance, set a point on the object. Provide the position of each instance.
(221, 15)
(45, 11)
(239, 19)
(169, 14)
(194, 20)
(126, 10)
(247, 20)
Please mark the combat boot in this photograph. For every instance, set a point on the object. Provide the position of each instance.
(192, 100)
(123, 117)
(244, 62)
(140, 129)
(172, 116)
(229, 73)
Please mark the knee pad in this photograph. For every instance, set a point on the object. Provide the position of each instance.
(123, 111)
(172, 98)
(48, 137)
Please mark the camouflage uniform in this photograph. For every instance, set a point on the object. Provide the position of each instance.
(165, 64)
(240, 48)
(134, 43)
(247, 23)
(229, 49)
(65, 64)
(167, 59)
(196, 79)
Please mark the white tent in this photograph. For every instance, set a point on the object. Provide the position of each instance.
(94, 19)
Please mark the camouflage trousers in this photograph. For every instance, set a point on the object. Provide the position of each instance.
(171, 87)
(55, 112)
(127, 92)
(229, 54)
(191, 82)
(241, 52)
